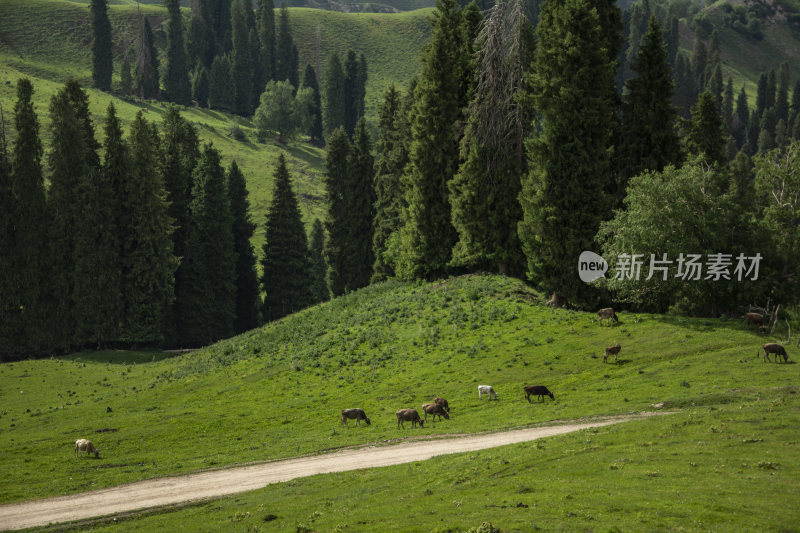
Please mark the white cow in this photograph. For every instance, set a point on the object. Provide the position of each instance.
(83, 445)
(486, 389)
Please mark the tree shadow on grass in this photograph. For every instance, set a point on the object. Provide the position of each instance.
(122, 357)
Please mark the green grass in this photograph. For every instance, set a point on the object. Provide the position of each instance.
(277, 391)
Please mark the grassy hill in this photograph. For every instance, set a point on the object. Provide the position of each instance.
(56, 48)
(277, 392)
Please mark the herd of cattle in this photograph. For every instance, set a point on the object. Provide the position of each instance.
(439, 407)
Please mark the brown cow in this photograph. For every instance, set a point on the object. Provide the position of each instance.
(408, 415)
(354, 414)
(753, 318)
(607, 313)
(775, 348)
(443, 403)
(434, 409)
(612, 350)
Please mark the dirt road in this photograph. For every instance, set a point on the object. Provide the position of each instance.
(217, 483)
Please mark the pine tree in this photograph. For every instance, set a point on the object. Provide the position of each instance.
(24, 316)
(761, 94)
(148, 262)
(361, 208)
(685, 88)
(200, 85)
(753, 131)
(770, 93)
(126, 81)
(727, 107)
(248, 300)
(219, 20)
(316, 249)
(286, 265)
(176, 81)
(739, 122)
(649, 138)
(334, 110)
(699, 63)
(428, 234)
(147, 84)
(220, 84)
(782, 98)
(392, 151)
(794, 111)
(310, 81)
(337, 225)
(570, 166)
(351, 93)
(705, 135)
(484, 194)
(98, 265)
(102, 61)
(285, 62)
(241, 63)
(266, 36)
(201, 44)
(672, 40)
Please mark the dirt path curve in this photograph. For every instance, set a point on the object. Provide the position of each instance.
(217, 483)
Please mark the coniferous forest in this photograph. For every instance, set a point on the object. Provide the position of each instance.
(533, 131)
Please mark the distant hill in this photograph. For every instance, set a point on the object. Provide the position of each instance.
(346, 6)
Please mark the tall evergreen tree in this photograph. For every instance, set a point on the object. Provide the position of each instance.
(761, 94)
(220, 84)
(316, 249)
(334, 110)
(286, 266)
(740, 117)
(772, 87)
(685, 88)
(310, 81)
(200, 85)
(428, 235)
(571, 166)
(248, 300)
(794, 111)
(699, 63)
(8, 304)
(266, 37)
(361, 208)
(126, 81)
(705, 135)
(211, 262)
(392, 150)
(24, 280)
(201, 44)
(176, 81)
(148, 261)
(484, 194)
(147, 84)
(241, 64)
(672, 40)
(782, 97)
(102, 61)
(727, 107)
(351, 93)
(285, 63)
(650, 141)
(337, 224)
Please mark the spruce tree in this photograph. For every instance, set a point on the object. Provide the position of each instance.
(200, 85)
(705, 135)
(650, 141)
(176, 81)
(266, 37)
(727, 107)
(316, 249)
(147, 81)
(148, 261)
(761, 94)
(334, 110)
(484, 194)
(285, 62)
(310, 81)
(685, 88)
(699, 63)
(351, 93)
(782, 97)
(337, 225)
(739, 122)
(392, 151)
(361, 208)
(210, 271)
(794, 111)
(126, 81)
(102, 61)
(248, 299)
(771, 89)
(428, 234)
(241, 63)
(286, 266)
(220, 84)
(24, 316)
(570, 166)
(201, 44)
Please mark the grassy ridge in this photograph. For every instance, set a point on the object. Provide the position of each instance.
(277, 391)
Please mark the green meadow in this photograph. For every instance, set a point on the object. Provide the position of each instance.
(728, 455)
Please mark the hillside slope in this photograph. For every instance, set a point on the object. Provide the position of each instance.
(277, 391)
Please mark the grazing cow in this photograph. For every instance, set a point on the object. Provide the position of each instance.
(613, 350)
(354, 414)
(83, 445)
(777, 349)
(486, 389)
(443, 403)
(753, 318)
(607, 313)
(434, 409)
(537, 390)
(409, 415)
